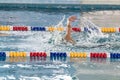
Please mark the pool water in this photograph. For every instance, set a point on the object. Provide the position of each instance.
(70, 69)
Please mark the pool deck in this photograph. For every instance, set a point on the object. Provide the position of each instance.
(107, 2)
(104, 18)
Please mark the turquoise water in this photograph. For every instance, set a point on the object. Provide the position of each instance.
(71, 69)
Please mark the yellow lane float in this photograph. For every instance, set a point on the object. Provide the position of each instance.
(108, 29)
(51, 29)
(60, 28)
(17, 54)
(78, 55)
(4, 28)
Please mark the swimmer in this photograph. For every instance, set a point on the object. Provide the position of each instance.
(68, 37)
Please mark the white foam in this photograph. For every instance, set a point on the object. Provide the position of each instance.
(3, 78)
(24, 66)
(5, 66)
(30, 78)
(64, 77)
(11, 77)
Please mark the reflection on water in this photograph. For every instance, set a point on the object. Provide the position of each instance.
(98, 60)
(70, 69)
(34, 68)
(17, 59)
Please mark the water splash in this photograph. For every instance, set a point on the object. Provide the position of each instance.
(91, 34)
(92, 31)
(57, 35)
(61, 22)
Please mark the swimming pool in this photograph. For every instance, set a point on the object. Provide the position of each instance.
(69, 69)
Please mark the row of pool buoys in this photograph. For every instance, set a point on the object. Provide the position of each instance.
(108, 29)
(26, 28)
(60, 54)
(78, 55)
(52, 29)
(98, 55)
(17, 54)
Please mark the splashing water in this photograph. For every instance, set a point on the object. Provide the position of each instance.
(92, 31)
(91, 34)
(57, 36)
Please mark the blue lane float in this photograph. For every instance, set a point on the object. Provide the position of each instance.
(2, 56)
(38, 29)
(115, 55)
(58, 56)
(86, 30)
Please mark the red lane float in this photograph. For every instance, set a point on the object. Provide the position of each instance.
(76, 29)
(20, 28)
(98, 55)
(38, 54)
